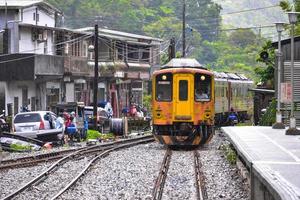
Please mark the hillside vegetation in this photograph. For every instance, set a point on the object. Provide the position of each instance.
(206, 39)
(258, 17)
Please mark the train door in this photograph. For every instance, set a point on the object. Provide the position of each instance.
(229, 95)
(183, 107)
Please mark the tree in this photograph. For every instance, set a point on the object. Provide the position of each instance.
(267, 73)
(242, 38)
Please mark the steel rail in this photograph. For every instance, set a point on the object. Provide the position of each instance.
(201, 192)
(72, 155)
(160, 181)
(28, 161)
(32, 160)
(105, 153)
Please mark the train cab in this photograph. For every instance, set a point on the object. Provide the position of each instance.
(183, 103)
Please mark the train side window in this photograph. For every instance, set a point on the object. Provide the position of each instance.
(202, 87)
(164, 87)
(183, 90)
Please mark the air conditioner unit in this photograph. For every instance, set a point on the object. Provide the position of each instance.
(40, 37)
(45, 35)
(34, 34)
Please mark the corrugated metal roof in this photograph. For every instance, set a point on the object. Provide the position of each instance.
(228, 75)
(118, 34)
(183, 62)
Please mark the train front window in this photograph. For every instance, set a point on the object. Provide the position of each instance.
(163, 87)
(202, 87)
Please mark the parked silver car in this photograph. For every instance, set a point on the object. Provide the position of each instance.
(41, 125)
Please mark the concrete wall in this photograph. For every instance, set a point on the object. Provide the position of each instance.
(14, 89)
(44, 19)
(11, 15)
(69, 92)
(27, 45)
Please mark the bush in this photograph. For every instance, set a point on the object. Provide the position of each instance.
(229, 153)
(269, 117)
(94, 135)
(20, 147)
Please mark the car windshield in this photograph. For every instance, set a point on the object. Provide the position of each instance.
(26, 117)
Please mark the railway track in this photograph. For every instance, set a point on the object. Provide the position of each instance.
(83, 158)
(29, 161)
(158, 190)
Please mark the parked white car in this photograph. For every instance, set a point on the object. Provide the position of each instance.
(41, 125)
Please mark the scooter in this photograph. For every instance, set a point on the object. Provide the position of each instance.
(233, 119)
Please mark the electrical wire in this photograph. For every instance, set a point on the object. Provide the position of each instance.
(31, 56)
(36, 49)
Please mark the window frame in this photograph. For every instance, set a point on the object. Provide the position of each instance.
(208, 88)
(171, 87)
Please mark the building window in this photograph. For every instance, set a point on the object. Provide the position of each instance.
(37, 17)
(33, 16)
(79, 87)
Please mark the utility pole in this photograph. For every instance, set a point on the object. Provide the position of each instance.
(183, 30)
(95, 77)
(5, 35)
(5, 14)
(172, 49)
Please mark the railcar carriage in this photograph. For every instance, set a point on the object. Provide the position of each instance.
(232, 93)
(183, 103)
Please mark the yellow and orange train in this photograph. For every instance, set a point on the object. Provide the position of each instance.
(183, 103)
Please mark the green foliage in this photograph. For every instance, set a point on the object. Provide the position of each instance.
(147, 102)
(288, 6)
(242, 38)
(228, 55)
(20, 147)
(229, 153)
(269, 117)
(94, 135)
(232, 52)
(266, 73)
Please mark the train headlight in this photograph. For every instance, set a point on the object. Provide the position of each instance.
(202, 78)
(207, 115)
(158, 114)
(164, 77)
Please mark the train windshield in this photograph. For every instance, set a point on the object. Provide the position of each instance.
(163, 87)
(202, 87)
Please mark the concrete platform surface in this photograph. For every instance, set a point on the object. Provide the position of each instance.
(272, 156)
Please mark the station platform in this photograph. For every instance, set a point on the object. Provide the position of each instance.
(273, 159)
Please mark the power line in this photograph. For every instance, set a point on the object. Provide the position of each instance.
(31, 56)
(250, 10)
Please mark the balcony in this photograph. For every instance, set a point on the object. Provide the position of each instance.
(33, 66)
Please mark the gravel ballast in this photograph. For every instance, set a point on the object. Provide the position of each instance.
(222, 180)
(180, 182)
(131, 174)
(12, 179)
(126, 174)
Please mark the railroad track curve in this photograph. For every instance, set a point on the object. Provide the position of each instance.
(94, 155)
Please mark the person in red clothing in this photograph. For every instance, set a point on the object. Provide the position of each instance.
(67, 124)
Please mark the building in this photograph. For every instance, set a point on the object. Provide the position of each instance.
(125, 61)
(286, 76)
(42, 64)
